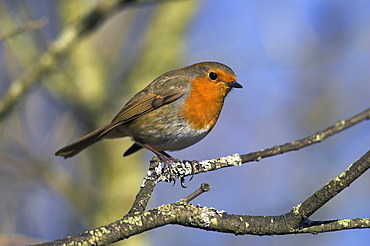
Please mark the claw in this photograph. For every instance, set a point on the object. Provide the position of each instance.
(182, 182)
(192, 163)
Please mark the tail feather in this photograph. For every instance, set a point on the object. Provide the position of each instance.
(135, 147)
(79, 145)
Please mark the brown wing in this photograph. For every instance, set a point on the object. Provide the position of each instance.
(145, 104)
(163, 90)
(141, 104)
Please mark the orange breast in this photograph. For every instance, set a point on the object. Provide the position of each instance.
(204, 103)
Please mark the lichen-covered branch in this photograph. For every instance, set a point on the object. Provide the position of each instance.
(182, 213)
(186, 168)
(316, 227)
(204, 218)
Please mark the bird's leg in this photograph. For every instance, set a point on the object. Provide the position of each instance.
(170, 157)
(166, 158)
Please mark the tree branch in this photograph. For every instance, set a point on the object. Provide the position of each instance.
(316, 227)
(181, 213)
(146, 189)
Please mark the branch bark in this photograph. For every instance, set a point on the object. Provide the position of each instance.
(211, 219)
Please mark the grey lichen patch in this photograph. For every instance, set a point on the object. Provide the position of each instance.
(135, 220)
(344, 222)
(340, 177)
(96, 235)
(246, 224)
(340, 123)
(165, 207)
(182, 169)
(231, 160)
(158, 171)
(167, 210)
(132, 220)
(277, 148)
(185, 168)
(337, 180)
(358, 223)
(218, 212)
(214, 221)
(318, 138)
(296, 208)
(207, 217)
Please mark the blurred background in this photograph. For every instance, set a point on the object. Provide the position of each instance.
(304, 65)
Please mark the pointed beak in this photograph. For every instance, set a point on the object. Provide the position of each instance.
(234, 84)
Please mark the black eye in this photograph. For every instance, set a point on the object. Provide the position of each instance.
(212, 76)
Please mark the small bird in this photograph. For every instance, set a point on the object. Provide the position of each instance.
(175, 111)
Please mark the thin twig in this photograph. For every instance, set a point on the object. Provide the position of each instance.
(32, 25)
(315, 138)
(203, 188)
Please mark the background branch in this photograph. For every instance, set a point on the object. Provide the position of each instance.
(37, 24)
(58, 49)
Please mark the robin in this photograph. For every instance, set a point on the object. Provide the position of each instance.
(173, 112)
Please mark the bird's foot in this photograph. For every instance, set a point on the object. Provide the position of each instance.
(167, 163)
(192, 164)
